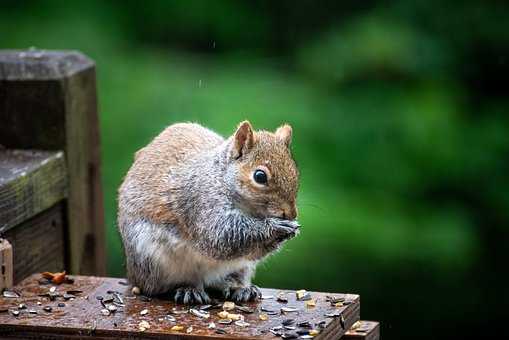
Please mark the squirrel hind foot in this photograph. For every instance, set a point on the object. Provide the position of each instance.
(242, 294)
(191, 296)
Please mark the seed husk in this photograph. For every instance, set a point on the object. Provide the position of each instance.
(241, 323)
(287, 322)
(15, 312)
(267, 297)
(143, 325)
(263, 317)
(211, 325)
(170, 318)
(334, 314)
(225, 321)
(342, 321)
(32, 311)
(177, 328)
(177, 311)
(205, 307)
(10, 294)
(291, 328)
(306, 336)
(281, 297)
(68, 296)
(305, 324)
(288, 310)
(220, 331)
(74, 291)
(112, 308)
(105, 312)
(53, 289)
(123, 283)
(245, 309)
(310, 303)
(22, 306)
(108, 299)
(228, 305)
(144, 312)
(199, 313)
(189, 329)
(289, 335)
(48, 309)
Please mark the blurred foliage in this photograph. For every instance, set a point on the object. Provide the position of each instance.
(400, 121)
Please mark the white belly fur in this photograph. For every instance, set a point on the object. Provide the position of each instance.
(177, 262)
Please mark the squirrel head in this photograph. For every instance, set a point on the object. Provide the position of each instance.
(264, 175)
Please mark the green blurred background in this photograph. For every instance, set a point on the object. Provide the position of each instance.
(401, 130)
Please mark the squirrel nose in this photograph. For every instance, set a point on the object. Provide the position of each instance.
(290, 212)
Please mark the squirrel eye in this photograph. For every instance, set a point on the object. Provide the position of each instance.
(260, 177)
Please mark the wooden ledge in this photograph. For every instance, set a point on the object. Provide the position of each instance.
(142, 319)
(30, 182)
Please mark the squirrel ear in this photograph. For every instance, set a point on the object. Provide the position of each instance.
(243, 139)
(284, 132)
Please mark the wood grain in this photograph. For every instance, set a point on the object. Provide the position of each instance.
(30, 182)
(39, 243)
(82, 318)
(48, 101)
(363, 330)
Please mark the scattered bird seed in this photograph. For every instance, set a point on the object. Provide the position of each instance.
(74, 291)
(108, 299)
(212, 325)
(48, 309)
(305, 324)
(302, 331)
(310, 303)
(267, 297)
(53, 289)
(10, 294)
(225, 321)
(22, 306)
(189, 329)
(281, 297)
(290, 328)
(61, 304)
(170, 318)
(144, 298)
(205, 307)
(287, 322)
(14, 312)
(314, 332)
(263, 317)
(67, 296)
(342, 321)
(105, 312)
(303, 295)
(144, 312)
(123, 283)
(177, 311)
(32, 311)
(177, 328)
(39, 303)
(241, 323)
(199, 313)
(223, 314)
(112, 308)
(220, 331)
(245, 309)
(136, 290)
(289, 335)
(228, 305)
(288, 309)
(334, 314)
(306, 336)
(143, 325)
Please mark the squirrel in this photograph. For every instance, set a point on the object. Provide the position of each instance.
(197, 211)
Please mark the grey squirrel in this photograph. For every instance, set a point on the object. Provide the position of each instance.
(197, 211)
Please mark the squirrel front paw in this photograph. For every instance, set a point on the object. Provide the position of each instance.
(191, 296)
(242, 294)
(285, 229)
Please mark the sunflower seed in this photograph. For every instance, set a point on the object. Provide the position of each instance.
(211, 325)
(302, 331)
(15, 312)
(112, 308)
(241, 323)
(144, 312)
(281, 297)
(220, 331)
(53, 289)
(287, 322)
(68, 296)
(245, 309)
(225, 321)
(205, 307)
(289, 335)
(22, 306)
(170, 318)
(288, 309)
(177, 311)
(228, 305)
(199, 313)
(291, 328)
(48, 309)
(74, 291)
(10, 294)
(105, 312)
(304, 324)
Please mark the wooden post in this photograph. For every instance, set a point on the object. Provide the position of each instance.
(48, 102)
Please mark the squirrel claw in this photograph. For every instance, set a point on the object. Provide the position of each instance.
(191, 296)
(243, 294)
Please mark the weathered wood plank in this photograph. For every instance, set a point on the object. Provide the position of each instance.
(30, 182)
(82, 318)
(6, 265)
(48, 101)
(39, 243)
(363, 330)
